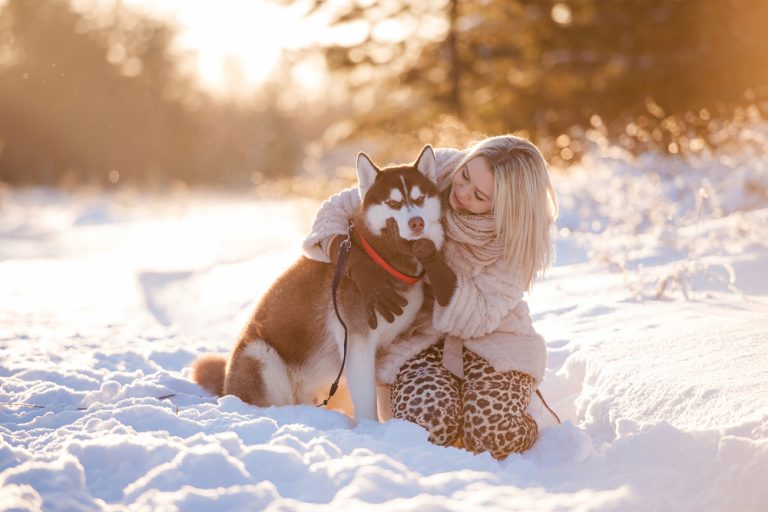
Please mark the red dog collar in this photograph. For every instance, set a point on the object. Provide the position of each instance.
(376, 257)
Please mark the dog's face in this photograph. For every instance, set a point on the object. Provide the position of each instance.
(406, 193)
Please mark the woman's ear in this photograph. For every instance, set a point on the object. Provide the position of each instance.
(426, 163)
(366, 173)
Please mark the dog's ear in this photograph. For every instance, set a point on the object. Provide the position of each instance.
(426, 163)
(366, 173)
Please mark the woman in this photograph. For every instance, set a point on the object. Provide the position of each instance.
(466, 369)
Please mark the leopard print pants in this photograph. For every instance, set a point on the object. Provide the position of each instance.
(484, 412)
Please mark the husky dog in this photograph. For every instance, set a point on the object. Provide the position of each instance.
(290, 351)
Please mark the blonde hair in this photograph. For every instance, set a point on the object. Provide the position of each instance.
(524, 204)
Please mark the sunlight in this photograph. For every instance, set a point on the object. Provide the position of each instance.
(236, 43)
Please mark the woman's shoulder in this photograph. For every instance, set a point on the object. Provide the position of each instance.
(447, 152)
(447, 158)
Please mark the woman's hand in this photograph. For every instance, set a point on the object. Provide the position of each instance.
(376, 287)
(441, 276)
(422, 249)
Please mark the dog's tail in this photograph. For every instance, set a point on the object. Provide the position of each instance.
(209, 371)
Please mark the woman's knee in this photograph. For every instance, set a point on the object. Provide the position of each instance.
(429, 398)
(442, 421)
(499, 435)
(495, 419)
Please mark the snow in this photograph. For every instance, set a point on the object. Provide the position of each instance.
(654, 315)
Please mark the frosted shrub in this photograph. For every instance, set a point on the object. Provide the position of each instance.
(616, 205)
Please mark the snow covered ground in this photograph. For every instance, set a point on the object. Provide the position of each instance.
(656, 317)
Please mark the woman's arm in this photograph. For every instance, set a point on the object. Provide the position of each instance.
(323, 244)
(479, 303)
(441, 277)
(331, 219)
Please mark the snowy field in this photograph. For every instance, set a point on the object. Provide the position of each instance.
(656, 316)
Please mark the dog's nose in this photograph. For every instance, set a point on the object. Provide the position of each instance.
(416, 224)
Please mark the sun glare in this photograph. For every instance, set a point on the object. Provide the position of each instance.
(236, 44)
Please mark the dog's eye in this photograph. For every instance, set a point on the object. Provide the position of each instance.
(419, 201)
(394, 204)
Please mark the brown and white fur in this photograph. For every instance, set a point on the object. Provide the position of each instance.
(290, 350)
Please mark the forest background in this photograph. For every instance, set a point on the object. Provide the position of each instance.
(93, 93)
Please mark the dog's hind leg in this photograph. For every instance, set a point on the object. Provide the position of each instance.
(258, 375)
(361, 377)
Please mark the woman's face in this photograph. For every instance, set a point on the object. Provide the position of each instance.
(472, 188)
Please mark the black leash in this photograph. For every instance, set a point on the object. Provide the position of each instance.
(340, 264)
(541, 397)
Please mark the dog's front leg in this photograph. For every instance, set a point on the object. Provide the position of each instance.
(361, 377)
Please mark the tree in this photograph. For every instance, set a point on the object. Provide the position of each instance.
(103, 101)
(544, 66)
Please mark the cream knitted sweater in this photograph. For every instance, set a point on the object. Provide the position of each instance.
(486, 310)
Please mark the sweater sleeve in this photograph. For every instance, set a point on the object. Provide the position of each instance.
(446, 160)
(479, 303)
(331, 219)
(443, 155)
